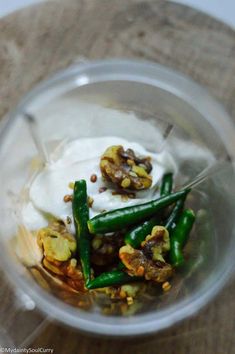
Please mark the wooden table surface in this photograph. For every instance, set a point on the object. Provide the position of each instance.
(38, 41)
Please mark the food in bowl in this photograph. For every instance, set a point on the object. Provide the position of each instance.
(109, 224)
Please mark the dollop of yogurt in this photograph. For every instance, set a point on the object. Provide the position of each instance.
(79, 159)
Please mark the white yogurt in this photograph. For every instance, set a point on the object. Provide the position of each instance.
(80, 159)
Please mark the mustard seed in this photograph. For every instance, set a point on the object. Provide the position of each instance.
(93, 178)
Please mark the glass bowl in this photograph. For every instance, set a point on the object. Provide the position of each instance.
(152, 98)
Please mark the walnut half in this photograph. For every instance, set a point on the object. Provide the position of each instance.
(148, 261)
(125, 169)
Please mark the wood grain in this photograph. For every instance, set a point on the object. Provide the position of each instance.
(42, 39)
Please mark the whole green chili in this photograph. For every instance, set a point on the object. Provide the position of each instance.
(124, 217)
(81, 216)
(179, 237)
(166, 185)
(135, 236)
(172, 219)
(115, 277)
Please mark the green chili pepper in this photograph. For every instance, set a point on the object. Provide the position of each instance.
(121, 218)
(172, 219)
(115, 277)
(81, 216)
(179, 237)
(135, 236)
(167, 183)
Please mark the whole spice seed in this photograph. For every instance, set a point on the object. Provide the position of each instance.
(68, 198)
(93, 178)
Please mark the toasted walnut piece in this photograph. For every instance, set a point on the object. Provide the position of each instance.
(140, 171)
(72, 270)
(122, 294)
(129, 154)
(69, 268)
(58, 246)
(58, 225)
(131, 289)
(139, 265)
(126, 182)
(157, 244)
(130, 162)
(125, 169)
(133, 174)
(52, 267)
(128, 249)
(124, 291)
(140, 271)
(69, 272)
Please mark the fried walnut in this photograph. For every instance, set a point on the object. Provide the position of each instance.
(125, 169)
(148, 261)
(57, 243)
